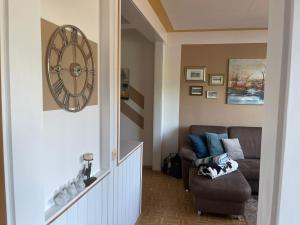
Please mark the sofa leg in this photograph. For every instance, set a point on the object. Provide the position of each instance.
(199, 213)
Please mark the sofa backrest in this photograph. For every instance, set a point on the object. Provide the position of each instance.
(250, 140)
(200, 129)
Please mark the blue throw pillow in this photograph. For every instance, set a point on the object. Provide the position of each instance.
(199, 145)
(214, 143)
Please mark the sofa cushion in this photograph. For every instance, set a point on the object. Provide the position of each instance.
(249, 168)
(187, 153)
(199, 145)
(200, 130)
(233, 148)
(250, 140)
(214, 143)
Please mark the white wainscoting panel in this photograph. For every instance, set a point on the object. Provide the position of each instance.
(115, 200)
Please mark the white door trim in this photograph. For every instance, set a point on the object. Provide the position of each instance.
(5, 80)
(158, 105)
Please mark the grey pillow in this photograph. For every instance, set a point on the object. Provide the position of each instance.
(233, 148)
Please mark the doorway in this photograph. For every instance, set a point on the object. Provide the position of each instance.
(137, 67)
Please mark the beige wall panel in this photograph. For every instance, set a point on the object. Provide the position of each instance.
(47, 28)
(199, 109)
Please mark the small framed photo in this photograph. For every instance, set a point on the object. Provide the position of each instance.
(195, 74)
(211, 94)
(216, 79)
(125, 84)
(196, 90)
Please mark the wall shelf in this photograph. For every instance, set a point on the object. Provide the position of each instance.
(55, 212)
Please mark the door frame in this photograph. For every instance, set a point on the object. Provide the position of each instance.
(6, 125)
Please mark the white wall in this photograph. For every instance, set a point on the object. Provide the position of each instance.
(129, 130)
(23, 112)
(78, 12)
(22, 107)
(137, 54)
(171, 79)
(279, 186)
(68, 135)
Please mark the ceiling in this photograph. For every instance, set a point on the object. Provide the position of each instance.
(131, 18)
(197, 15)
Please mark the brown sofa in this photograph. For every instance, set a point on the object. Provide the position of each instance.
(250, 140)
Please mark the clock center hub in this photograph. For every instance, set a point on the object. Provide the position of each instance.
(75, 69)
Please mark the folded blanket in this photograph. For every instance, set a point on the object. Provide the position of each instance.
(219, 160)
(214, 170)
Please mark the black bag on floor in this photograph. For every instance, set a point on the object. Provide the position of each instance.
(172, 165)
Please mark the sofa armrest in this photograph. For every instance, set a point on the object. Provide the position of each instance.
(187, 153)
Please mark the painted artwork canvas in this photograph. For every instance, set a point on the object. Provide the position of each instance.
(246, 81)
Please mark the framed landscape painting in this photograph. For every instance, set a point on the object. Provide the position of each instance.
(246, 81)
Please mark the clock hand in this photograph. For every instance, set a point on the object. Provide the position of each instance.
(57, 69)
(74, 53)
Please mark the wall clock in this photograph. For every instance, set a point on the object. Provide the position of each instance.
(70, 68)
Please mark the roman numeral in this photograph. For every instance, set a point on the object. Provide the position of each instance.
(92, 72)
(82, 43)
(56, 50)
(74, 36)
(84, 98)
(88, 56)
(64, 37)
(66, 100)
(89, 87)
(76, 103)
(57, 87)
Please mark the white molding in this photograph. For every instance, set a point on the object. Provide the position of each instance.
(147, 11)
(273, 122)
(159, 66)
(5, 90)
(105, 82)
(218, 37)
(130, 147)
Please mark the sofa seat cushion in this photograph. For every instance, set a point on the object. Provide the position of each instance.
(232, 187)
(249, 168)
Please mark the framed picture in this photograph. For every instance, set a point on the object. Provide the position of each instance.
(211, 94)
(196, 90)
(246, 81)
(125, 84)
(195, 74)
(216, 79)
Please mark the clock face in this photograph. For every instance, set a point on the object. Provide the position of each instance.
(70, 68)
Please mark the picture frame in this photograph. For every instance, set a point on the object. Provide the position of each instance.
(246, 81)
(195, 73)
(217, 79)
(211, 94)
(196, 90)
(125, 82)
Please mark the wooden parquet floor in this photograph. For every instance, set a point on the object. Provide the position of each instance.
(165, 202)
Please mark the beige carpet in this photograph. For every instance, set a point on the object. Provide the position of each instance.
(166, 203)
